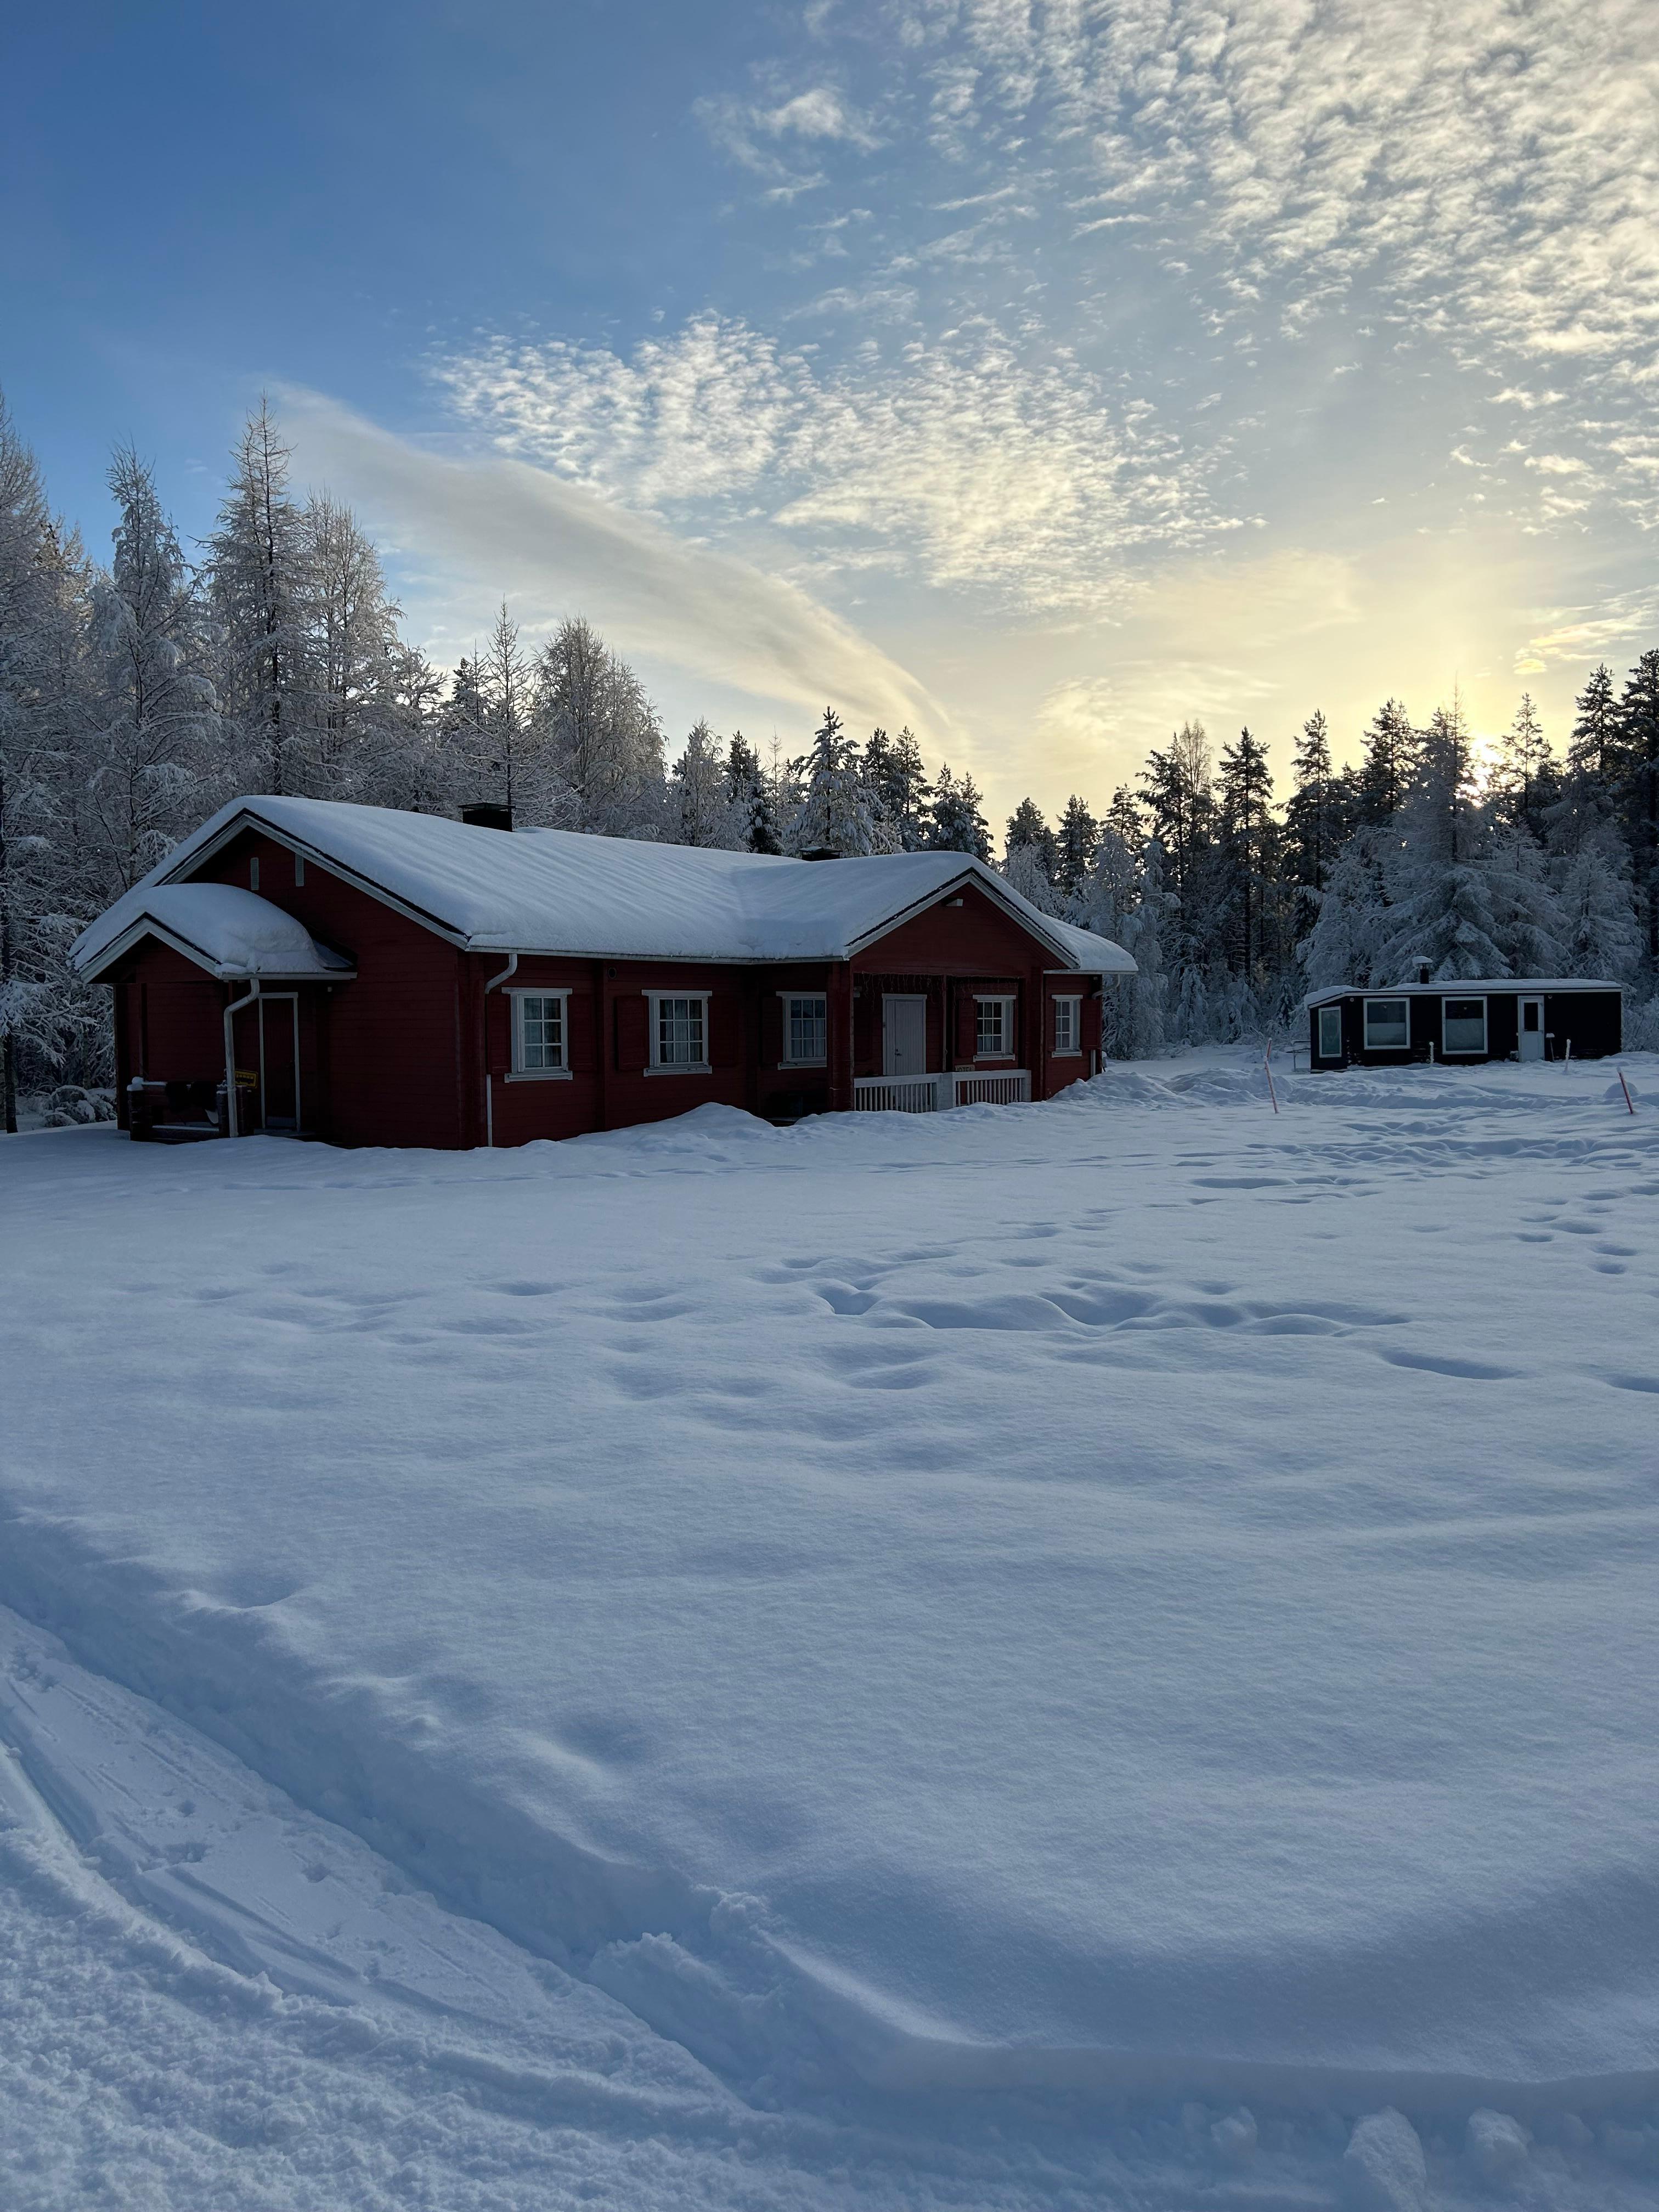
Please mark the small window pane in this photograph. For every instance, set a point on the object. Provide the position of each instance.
(1330, 1032)
(804, 1031)
(1388, 1023)
(1529, 1013)
(1066, 1024)
(541, 1034)
(679, 1033)
(1465, 1028)
(992, 1041)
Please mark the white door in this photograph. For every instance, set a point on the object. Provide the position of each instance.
(903, 1035)
(1532, 1028)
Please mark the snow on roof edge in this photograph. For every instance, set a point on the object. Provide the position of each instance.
(612, 897)
(1462, 985)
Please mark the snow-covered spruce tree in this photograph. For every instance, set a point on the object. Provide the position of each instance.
(260, 586)
(1525, 783)
(1246, 915)
(956, 822)
(835, 814)
(1389, 766)
(1318, 818)
(1029, 833)
(1443, 903)
(704, 812)
(748, 789)
(1178, 785)
(515, 750)
(1075, 840)
(1354, 919)
(1636, 791)
(151, 771)
(605, 742)
(897, 779)
(1599, 930)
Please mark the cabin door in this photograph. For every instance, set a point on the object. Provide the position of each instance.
(279, 1059)
(903, 1035)
(1532, 1028)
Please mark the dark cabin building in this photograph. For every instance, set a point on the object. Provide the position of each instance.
(366, 976)
(1510, 1017)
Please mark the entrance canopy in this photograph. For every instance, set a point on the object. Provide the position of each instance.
(234, 934)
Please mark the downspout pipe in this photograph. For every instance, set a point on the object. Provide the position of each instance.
(231, 1120)
(505, 976)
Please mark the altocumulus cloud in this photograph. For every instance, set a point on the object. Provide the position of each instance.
(984, 460)
(552, 547)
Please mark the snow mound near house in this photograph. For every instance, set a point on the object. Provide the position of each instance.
(1138, 1593)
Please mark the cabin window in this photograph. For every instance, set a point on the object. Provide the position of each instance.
(253, 873)
(1068, 1026)
(805, 1029)
(1330, 1032)
(1462, 1025)
(1387, 1024)
(679, 1032)
(540, 1036)
(299, 873)
(994, 1032)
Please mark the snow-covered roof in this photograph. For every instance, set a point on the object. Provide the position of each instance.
(559, 891)
(233, 933)
(1460, 987)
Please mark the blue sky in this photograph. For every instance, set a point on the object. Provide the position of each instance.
(1042, 375)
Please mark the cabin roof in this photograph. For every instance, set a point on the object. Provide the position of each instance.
(234, 934)
(559, 891)
(1460, 987)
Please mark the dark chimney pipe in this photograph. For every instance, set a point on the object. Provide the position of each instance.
(1422, 971)
(487, 816)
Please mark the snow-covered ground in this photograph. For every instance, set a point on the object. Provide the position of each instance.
(911, 1660)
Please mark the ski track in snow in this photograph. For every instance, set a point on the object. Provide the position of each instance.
(883, 1463)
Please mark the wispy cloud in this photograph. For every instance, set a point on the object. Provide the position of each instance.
(553, 547)
(978, 461)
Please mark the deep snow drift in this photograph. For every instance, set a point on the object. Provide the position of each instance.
(1133, 1596)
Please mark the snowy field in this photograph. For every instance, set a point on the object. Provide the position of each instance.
(1032, 1657)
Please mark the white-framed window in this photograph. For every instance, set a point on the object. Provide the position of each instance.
(994, 1032)
(253, 873)
(1068, 1027)
(1387, 1024)
(540, 1033)
(805, 1029)
(1462, 1025)
(679, 1032)
(1330, 1032)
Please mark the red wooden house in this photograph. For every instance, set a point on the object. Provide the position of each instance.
(373, 977)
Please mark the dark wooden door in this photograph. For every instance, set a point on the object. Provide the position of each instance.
(279, 1059)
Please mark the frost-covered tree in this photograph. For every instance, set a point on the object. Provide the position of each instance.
(260, 575)
(151, 770)
(1023, 868)
(1354, 920)
(956, 820)
(352, 626)
(1245, 925)
(604, 741)
(1178, 785)
(704, 811)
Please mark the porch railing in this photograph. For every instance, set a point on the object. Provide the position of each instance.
(937, 1094)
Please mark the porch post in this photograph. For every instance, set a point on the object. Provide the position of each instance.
(839, 1010)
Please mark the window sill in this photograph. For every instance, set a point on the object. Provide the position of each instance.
(695, 1067)
(538, 1075)
(791, 1066)
(1070, 1052)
